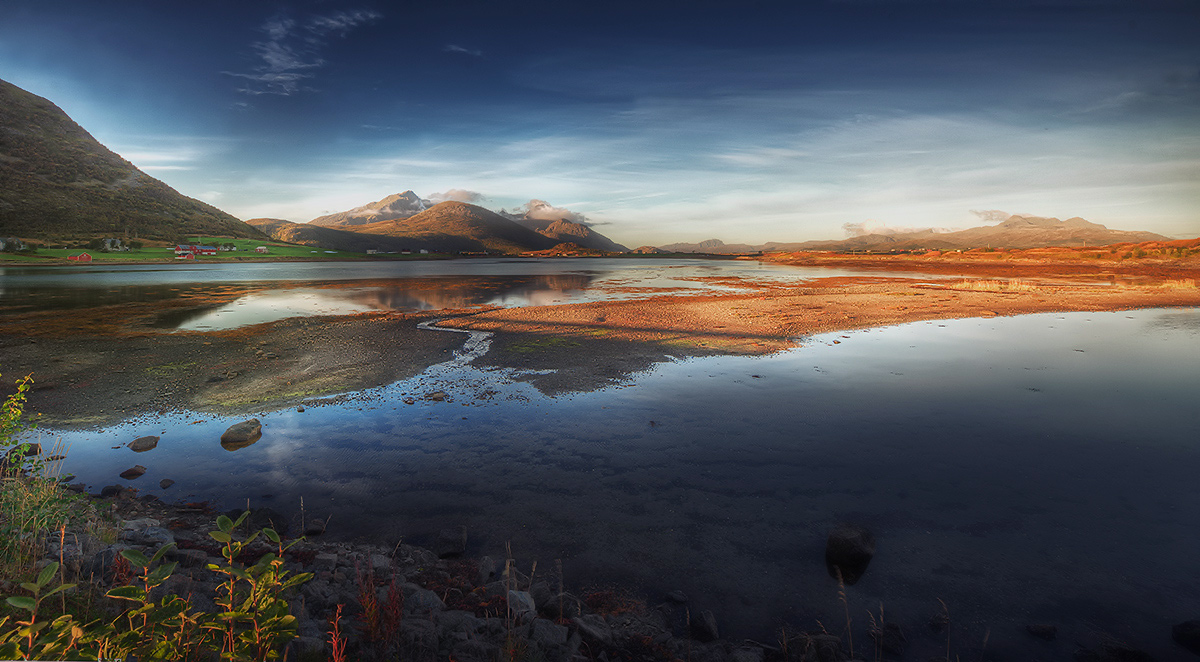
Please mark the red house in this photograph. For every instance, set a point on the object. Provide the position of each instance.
(82, 257)
(183, 251)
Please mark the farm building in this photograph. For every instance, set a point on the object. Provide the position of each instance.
(82, 257)
(261, 249)
(182, 251)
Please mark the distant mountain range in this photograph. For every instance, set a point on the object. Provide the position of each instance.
(1015, 232)
(58, 182)
(444, 227)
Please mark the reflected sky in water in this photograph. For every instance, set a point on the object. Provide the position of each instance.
(1029, 469)
(264, 292)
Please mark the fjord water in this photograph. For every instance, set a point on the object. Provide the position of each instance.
(228, 295)
(1035, 469)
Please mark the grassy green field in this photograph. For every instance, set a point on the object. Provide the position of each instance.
(245, 251)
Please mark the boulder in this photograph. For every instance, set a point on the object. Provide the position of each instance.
(1187, 634)
(165, 483)
(241, 435)
(889, 638)
(451, 542)
(314, 527)
(704, 627)
(133, 472)
(848, 552)
(143, 444)
(522, 605)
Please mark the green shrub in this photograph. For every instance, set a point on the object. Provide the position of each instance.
(252, 625)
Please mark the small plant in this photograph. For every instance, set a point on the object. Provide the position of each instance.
(254, 624)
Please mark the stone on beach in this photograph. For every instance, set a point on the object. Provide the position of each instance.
(240, 435)
(135, 471)
(143, 444)
(848, 552)
(452, 542)
(1187, 634)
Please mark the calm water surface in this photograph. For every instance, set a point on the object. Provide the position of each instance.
(1030, 469)
(250, 293)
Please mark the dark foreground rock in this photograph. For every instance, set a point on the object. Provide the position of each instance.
(848, 552)
(1187, 634)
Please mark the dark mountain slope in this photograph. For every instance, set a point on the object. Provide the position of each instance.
(57, 181)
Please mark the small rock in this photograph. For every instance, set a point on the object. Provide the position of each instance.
(452, 542)
(314, 527)
(1042, 631)
(848, 552)
(749, 654)
(522, 606)
(436, 396)
(143, 444)
(548, 634)
(165, 483)
(300, 409)
(191, 558)
(704, 628)
(34, 449)
(133, 472)
(593, 626)
(890, 638)
(1187, 634)
(678, 596)
(111, 491)
(418, 600)
(488, 570)
(328, 561)
(244, 433)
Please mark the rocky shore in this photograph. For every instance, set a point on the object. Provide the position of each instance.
(428, 604)
(410, 602)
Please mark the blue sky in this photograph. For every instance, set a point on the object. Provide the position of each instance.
(658, 121)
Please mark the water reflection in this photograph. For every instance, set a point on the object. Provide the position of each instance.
(275, 290)
(1031, 469)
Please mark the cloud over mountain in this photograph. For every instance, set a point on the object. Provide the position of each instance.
(457, 195)
(544, 211)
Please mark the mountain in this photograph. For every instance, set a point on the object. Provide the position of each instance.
(399, 205)
(1015, 232)
(460, 227)
(330, 238)
(57, 181)
(566, 231)
(715, 246)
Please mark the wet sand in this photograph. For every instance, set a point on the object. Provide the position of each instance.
(111, 363)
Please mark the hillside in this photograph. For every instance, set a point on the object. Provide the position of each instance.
(396, 206)
(1015, 232)
(57, 181)
(460, 227)
(565, 231)
(329, 238)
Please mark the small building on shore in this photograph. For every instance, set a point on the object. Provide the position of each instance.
(82, 257)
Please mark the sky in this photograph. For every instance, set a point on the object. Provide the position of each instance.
(655, 121)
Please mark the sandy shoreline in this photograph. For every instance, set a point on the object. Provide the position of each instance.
(106, 364)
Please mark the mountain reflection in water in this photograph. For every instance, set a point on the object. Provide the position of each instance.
(398, 295)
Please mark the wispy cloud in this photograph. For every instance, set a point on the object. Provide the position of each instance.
(455, 48)
(292, 50)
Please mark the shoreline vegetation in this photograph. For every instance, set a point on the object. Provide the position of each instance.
(111, 363)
